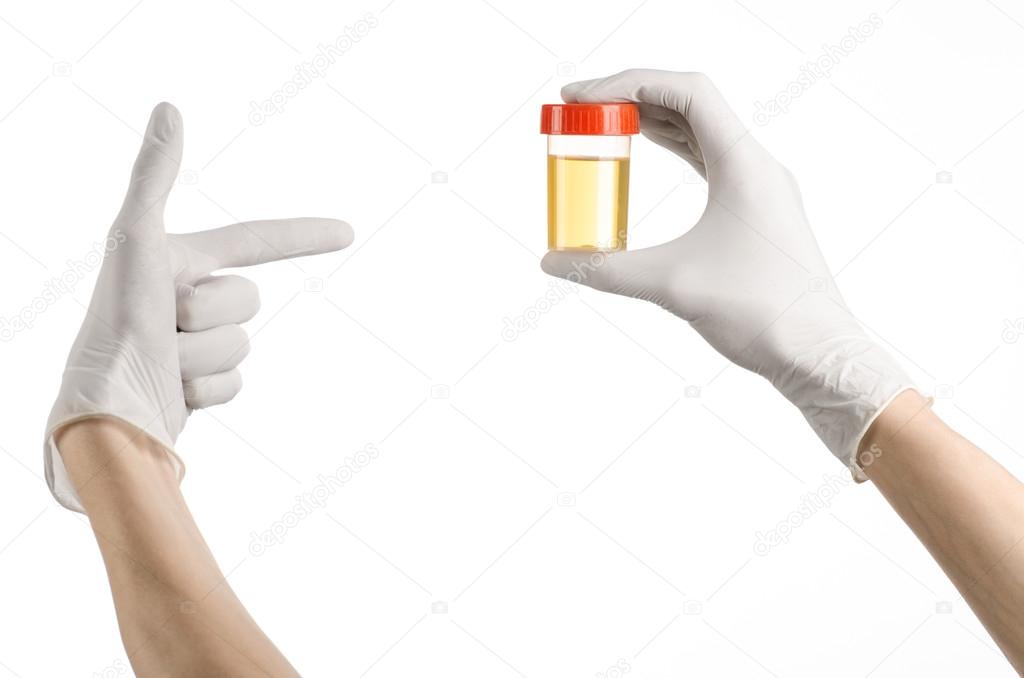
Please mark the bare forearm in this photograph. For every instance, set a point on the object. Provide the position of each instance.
(177, 614)
(963, 506)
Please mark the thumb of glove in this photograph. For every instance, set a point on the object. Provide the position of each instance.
(136, 275)
(156, 167)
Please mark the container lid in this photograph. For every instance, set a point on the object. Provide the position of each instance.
(609, 119)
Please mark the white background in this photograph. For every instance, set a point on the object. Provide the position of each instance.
(654, 566)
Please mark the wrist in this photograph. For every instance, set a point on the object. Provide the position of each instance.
(905, 411)
(102, 446)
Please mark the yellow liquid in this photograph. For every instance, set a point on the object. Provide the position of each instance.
(588, 203)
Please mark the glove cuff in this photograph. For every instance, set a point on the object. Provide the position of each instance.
(841, 390)
(80, 405)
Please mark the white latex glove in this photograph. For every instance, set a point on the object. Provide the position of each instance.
(748, 276)
(162, 336)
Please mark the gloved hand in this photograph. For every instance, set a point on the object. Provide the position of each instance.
(748, 276)
(161, 336)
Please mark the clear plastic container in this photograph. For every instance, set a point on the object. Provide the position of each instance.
(588, 174)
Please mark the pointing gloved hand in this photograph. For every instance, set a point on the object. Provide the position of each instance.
(748, 276)
(161, 335)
